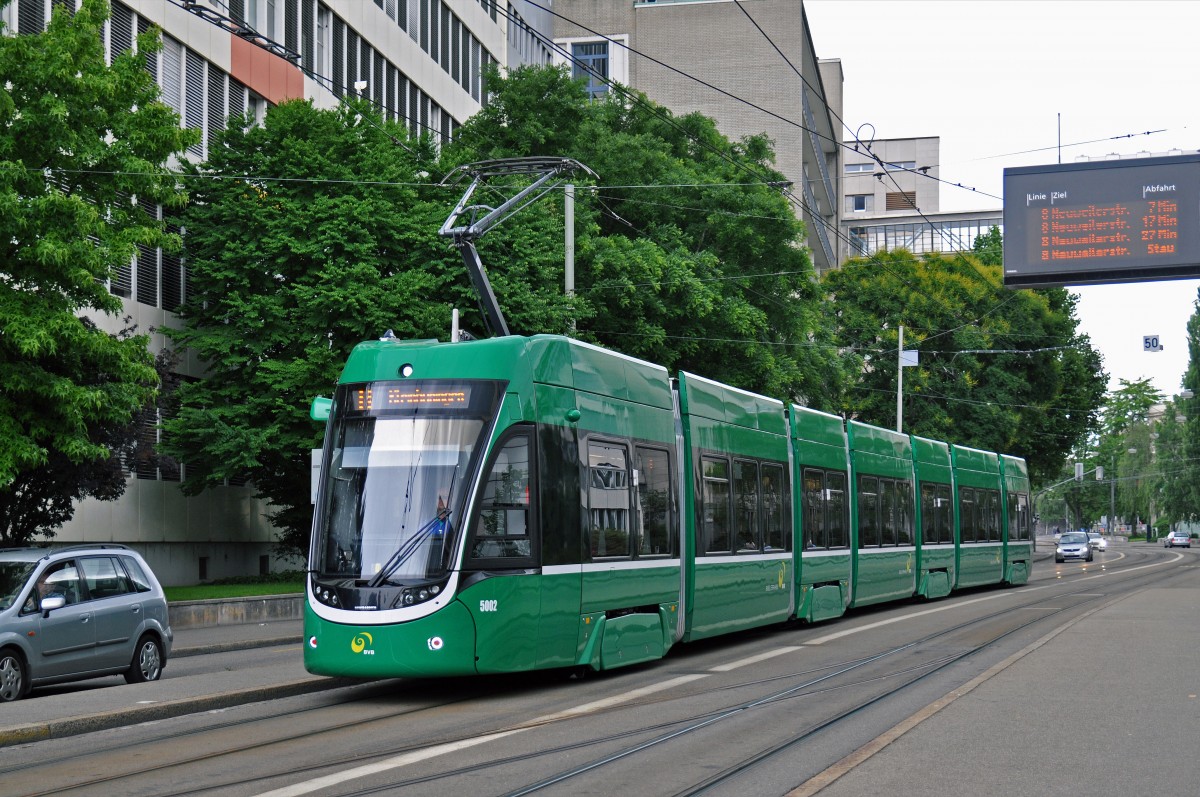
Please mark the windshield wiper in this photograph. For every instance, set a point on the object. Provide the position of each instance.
(406, 551)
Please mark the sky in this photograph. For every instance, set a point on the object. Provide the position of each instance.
(993, 78)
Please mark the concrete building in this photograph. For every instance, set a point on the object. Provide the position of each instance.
(669, 49)
(895, 205)
(419, 60)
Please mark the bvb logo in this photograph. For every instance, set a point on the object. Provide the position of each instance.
(782, 571)
(361, 641)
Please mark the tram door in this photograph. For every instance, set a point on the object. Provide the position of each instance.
(506, 601)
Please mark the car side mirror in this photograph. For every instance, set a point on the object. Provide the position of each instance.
(52, 603)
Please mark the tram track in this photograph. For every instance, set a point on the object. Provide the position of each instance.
(731, 772)
(817, 681)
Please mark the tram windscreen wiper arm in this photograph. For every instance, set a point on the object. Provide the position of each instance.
(405, 551)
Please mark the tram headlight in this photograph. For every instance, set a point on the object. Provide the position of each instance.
(423, 595)
(435, 589)
(409, 600)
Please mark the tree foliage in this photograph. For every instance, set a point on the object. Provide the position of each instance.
(315, 240)
(323, 233)
(80, 143)
(1000, 370)
(685, 255)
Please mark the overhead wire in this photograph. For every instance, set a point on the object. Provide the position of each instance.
(388, 112)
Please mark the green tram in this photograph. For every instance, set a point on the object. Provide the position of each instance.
(519, 503)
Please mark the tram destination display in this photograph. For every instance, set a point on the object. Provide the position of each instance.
(1099, 222)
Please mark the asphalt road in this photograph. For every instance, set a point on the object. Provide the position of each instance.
(1085, 701)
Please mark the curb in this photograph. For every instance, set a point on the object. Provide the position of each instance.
(225, 647)
(73, 726)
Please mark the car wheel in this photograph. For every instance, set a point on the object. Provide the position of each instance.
(147, 662)
(13, 681)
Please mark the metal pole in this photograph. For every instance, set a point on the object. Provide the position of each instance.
(900, 383)
(569, 214)
(1112, 499)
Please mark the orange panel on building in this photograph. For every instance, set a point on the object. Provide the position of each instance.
(264, 73)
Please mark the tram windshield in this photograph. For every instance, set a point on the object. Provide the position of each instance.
(395, 476)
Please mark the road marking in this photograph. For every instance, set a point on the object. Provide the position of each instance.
(770, 654)
(416, 756)
(870, 626)
(339, 778)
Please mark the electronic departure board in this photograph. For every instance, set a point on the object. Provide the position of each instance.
(1107, 221)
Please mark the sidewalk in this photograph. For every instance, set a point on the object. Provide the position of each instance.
(72, 712)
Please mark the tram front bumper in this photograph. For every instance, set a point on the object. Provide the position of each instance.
(436, 645)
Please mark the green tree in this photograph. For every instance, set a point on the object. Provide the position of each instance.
(318, 240)
(81, 146)
(1184, 493)
(1000, 370)
(989, 247)
(685, 255)
(321, 238)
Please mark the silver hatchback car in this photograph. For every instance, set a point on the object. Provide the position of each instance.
(68, 614)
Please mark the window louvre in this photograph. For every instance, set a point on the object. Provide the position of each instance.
(902, 200)
(237, 97)
(122, 27)
(307, 26)
(151, 59)
(339, 57)
(172, 74)
(291, 25)
(216, 104)
(194, 104)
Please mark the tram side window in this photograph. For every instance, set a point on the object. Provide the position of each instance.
(1018, 516)
(945, 513)
(837, 524)
(608, 499)
(992, 514)
(503, 529)
(655, 503)
(814, 509)
(868, 512)
(776, 534)
(967, 514)
(929, 529)
(714, 520)
(1025, 519)
(935, 513)
(745, 502)
(824, 509)
(889, 512)
(904, 520)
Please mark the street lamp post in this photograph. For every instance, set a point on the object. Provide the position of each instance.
(1112, 498)
(1113, 494)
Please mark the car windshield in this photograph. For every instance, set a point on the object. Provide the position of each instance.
(13, 576)
(1095, 535)
(1074, 536)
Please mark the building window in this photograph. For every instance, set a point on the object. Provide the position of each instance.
(856, 168)
(860, 203)
(590, 61)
